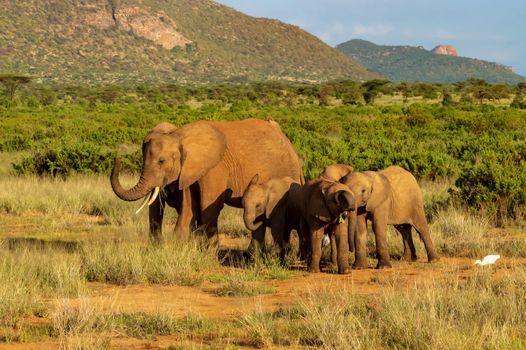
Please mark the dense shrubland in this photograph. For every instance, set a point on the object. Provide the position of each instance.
(458, 135)
(463, 152)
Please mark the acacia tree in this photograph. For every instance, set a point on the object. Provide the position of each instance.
(371, 89)
(12, 83)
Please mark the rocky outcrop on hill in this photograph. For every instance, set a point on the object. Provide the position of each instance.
(448, 50)
(159, 28)
(414, 63)
(154, 41)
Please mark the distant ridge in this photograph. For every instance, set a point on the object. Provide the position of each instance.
(410, 63)
(135, 41)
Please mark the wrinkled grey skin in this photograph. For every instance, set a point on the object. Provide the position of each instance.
(268, 204)
(388, 197)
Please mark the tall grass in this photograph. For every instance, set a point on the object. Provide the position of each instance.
(89, 195)
(28, 276)
(487, 311)
(122, 262)
(79, 325)
(458, 233)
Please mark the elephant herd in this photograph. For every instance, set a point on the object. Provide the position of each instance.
(251, 164)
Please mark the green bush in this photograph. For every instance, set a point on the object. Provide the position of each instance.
(79, 129)
(75, 159)
(497, 185)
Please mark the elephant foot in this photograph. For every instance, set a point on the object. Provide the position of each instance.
(344, 271)
(314, 269)
(409, 258)
(433, 258)
(156, 239)
(181, 234)
(360, 265)
(384, 265)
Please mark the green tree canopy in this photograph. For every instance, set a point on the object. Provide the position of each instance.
(12, 82)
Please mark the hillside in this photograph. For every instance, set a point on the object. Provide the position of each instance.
(410, 63)
(116, 41)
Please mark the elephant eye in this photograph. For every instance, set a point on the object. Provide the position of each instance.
(258, 206)
(161, 161)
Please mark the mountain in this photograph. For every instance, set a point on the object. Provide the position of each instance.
(410, 63)
(116, 41)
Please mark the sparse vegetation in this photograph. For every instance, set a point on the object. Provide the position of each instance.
(77, 42)
(479, 145)
(68, 242)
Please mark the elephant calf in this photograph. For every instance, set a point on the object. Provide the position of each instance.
(387, 197)
(268, 204)
(324, 206)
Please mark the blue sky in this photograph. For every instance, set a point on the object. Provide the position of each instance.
(489, 30)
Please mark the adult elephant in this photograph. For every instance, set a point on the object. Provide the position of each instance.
(387, 197)
(204, 165)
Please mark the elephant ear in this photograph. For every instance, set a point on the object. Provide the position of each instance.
(336, 172)
(277, 192)
(202, 148)
(380, 191)
(317, 205)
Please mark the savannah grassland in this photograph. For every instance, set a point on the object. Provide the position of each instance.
(78, 272)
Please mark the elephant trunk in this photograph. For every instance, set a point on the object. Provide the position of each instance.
(250, 221)
(346, 201)
(352, 228)
(141, 189)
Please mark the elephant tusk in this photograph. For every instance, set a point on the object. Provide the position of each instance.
(146, 199)
(154, 195)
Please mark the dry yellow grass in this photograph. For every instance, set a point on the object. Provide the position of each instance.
(437, 315)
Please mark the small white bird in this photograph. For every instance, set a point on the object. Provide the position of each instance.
(326, 240)
(487, 260)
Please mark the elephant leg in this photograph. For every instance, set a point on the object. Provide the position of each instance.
(280, 235)
(360, 243)
(422, 228)
(210, 210)
(316, 236)
(380, 233)
(186, 216)
(407, 239)
(342, 244)
(213, 190)
(269, 241)
(257, 241)
(155, 215)
(334, 249)
(330, 231)
(304, 240)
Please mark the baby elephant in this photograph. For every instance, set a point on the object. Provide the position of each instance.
(324, 207)
(268, 205)
(388, 197)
